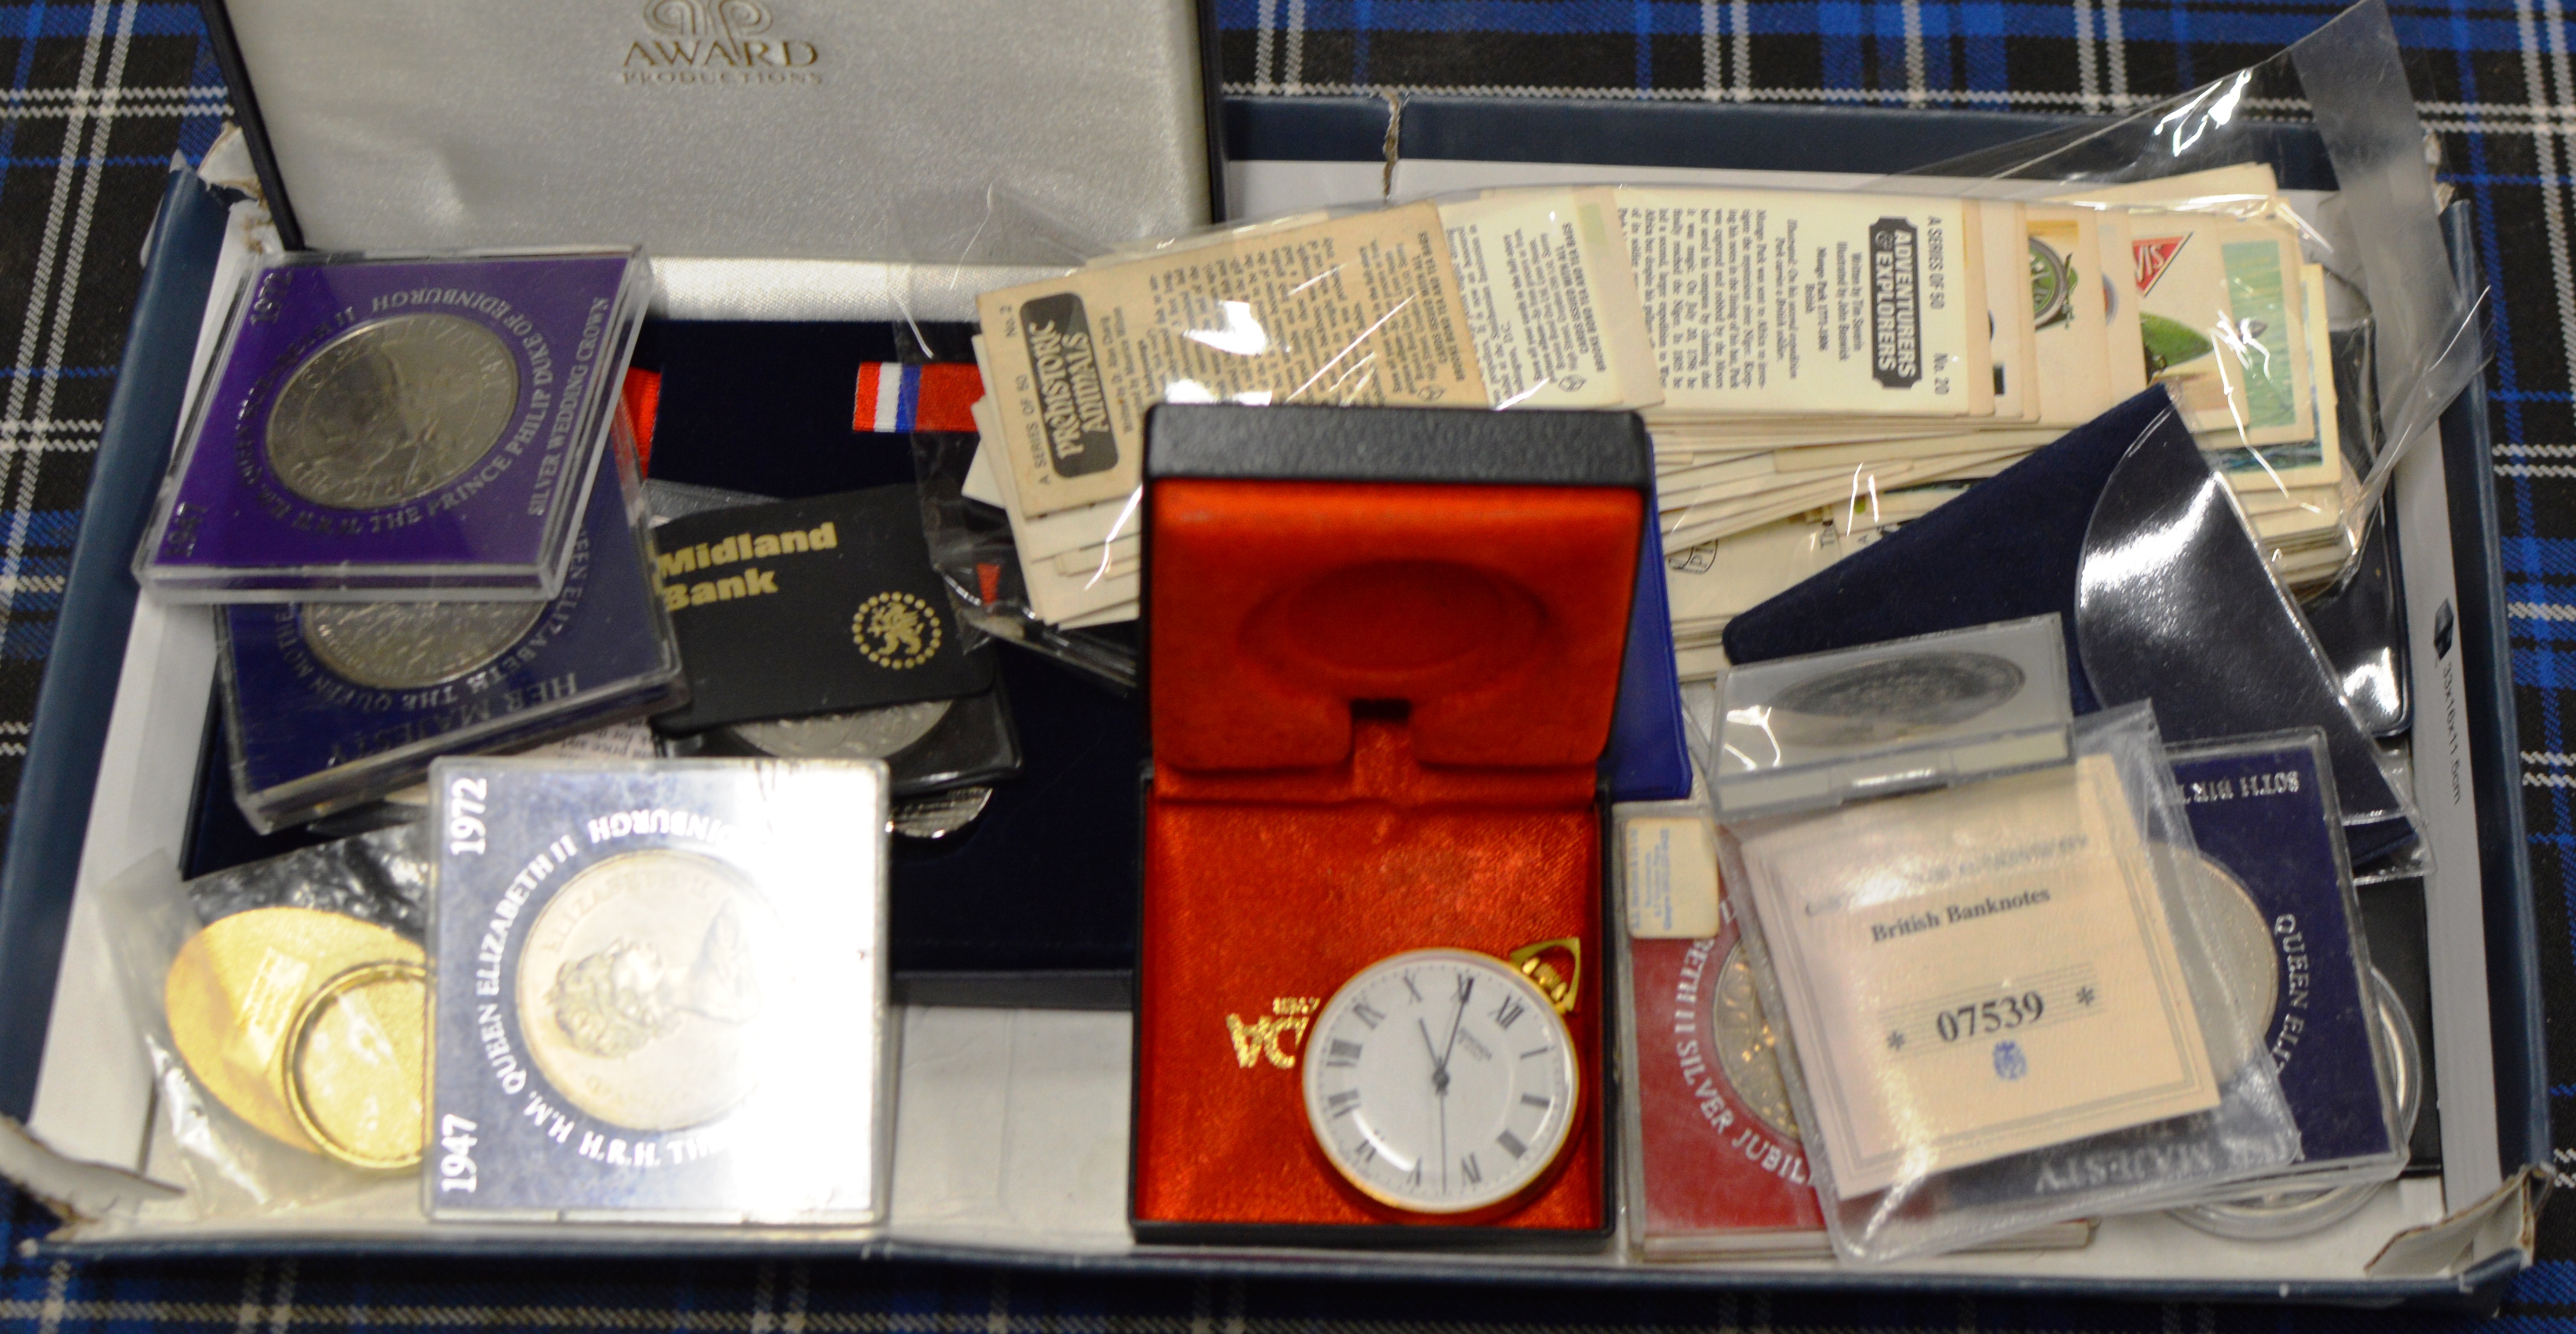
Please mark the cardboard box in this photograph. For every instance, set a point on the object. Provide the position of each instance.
(1013, 1124)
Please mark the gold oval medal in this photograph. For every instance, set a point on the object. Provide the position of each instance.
(238, 991)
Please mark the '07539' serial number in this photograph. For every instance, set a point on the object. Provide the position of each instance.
(1997, 1014)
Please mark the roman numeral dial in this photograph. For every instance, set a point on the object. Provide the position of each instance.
(1440, 1081)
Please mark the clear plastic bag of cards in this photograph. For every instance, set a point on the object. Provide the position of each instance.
(1507, 298)
(2356, 352)
(383, 427)
(976, 545)
(330, 705)
(2000, 1004)
(283, 1007)
(1842, 356)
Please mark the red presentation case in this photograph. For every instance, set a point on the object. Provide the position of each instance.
(1383, 650)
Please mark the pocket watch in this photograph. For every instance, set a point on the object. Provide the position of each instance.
(1442, 1081)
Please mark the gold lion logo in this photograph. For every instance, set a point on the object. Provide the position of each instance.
(896, 630)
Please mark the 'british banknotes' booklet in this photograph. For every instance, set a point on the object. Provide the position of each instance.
(1978, 972)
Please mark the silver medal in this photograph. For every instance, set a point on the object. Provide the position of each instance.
(866, 734)
(1747, 1049)
(641, 983)
(1893, 698)
(2240, 945)
(408, 645)
(391, 411)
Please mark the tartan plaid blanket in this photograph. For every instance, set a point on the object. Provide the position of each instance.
(97, 97)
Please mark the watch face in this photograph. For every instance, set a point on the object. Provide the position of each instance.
(1440, 1081)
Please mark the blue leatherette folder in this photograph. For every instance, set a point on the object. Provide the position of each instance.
(79, 688)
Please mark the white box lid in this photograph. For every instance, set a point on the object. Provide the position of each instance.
(781, 129)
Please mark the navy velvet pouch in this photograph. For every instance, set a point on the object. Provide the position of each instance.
(2119, 528)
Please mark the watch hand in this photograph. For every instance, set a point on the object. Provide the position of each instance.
(1454, 1021)
(1439, 1064)
(1444, 1141)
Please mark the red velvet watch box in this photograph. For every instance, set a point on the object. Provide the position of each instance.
(1383, 648)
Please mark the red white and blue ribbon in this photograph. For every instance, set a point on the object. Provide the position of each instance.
(894, 398)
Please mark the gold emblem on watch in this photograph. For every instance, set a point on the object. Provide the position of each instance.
(1537, 962)
(1275, 1036)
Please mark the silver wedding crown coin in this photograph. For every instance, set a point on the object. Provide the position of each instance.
(391, 411)
(410, 645)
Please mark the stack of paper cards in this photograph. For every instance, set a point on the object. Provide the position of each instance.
(1805, 360)
(1709, 583)
(1816, 350)
(1512, 298)
(2207, 295)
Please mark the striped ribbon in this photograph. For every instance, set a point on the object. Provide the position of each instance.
(896, 397)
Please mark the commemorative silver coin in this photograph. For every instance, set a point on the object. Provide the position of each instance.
(411, 645)
(2240, 945)
(639, 981)
(1747, 1047)
(391, 411)
(1893, 699)
(863, 734)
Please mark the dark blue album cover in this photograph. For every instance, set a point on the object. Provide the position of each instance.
(2264, 814)
(328, 705)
